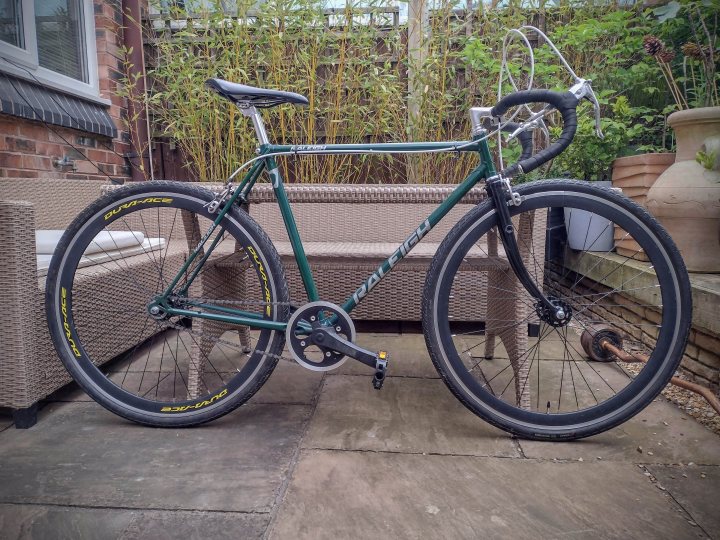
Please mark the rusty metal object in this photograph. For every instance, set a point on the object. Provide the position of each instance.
(592, 338)
(605, 339)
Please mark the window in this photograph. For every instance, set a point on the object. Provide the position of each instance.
(52, 41)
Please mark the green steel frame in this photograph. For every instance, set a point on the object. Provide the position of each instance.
(268, 164)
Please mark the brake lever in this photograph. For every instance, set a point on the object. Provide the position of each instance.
(596, 105)
(582, 89)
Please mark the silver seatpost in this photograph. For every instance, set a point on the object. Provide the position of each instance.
(248, 110)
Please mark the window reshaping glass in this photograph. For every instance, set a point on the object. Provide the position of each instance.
(59, 29)
(11, 23)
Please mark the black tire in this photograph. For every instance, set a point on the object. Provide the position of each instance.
(541, 405)
(158, 371)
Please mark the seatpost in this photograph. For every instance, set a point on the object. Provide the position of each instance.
(252, 112)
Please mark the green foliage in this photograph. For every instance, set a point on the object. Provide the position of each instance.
(604, 44)
(355, 92)
(706, 159)
(354, 67)
(589, 157)
(691, 75)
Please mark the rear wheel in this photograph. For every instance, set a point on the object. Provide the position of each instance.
(518, 367)
(111, 264)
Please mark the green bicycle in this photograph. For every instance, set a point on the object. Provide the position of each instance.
(202, 289)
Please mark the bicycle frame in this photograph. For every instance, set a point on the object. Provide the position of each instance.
(268, 164)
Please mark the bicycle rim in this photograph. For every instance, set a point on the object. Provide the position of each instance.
(117, 258)
(511, 363)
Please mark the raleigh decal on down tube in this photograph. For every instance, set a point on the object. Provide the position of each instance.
(403, 250)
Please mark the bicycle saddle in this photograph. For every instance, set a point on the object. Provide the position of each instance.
(258, 97)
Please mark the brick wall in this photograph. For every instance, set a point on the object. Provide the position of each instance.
(28, 148)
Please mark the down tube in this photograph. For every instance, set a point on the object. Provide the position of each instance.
(414, 238)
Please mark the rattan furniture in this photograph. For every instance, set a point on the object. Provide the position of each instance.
(330, 219)
(29, 367)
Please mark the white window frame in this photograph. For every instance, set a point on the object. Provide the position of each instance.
(24, 60)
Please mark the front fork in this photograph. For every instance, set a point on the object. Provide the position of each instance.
(502, 195)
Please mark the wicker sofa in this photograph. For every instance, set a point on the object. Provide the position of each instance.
(347, 230)
(29, 367)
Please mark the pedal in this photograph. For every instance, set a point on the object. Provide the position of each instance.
(381, 362)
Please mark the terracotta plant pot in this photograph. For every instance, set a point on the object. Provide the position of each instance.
(635, 175)
(686, 197)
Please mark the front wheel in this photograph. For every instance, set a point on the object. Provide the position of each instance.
(610, 267)
(105, 304)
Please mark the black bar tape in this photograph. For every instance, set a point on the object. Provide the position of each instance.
(564, 102)
(525, 138)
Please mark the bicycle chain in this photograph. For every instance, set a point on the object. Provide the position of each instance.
(179, 327)
(232, 302)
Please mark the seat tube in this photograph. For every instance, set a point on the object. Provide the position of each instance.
(291, 227)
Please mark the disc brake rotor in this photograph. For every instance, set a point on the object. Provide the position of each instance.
(300, 326)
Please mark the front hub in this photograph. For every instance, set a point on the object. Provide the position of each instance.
(559, 315)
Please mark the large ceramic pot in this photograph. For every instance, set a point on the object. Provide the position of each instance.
(686, 197)
(635, 175)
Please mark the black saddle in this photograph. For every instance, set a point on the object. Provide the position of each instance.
(258, 97)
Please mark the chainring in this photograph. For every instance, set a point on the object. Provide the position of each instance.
(301, 324)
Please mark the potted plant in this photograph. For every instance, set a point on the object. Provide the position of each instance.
(686, 197)
(590, 158)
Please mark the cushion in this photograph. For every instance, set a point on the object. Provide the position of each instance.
(377, 251)
(47, 240)
(89, 259)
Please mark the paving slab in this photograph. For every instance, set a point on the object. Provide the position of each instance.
(386, 495)
(289, 383)
(22, 522)
(407, 415)
(5, 422)
(408, 356)
(69, 392)
(197, 525)
(80, 454)
(697, 492)
(662, 432)
(40, 522)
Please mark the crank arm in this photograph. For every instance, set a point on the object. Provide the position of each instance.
(325, 338)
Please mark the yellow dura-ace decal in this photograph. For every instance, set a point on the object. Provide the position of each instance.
(66, 324)
(263, 274)
(130, 204)
(199, 405)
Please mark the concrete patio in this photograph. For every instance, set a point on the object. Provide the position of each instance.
(318, 456)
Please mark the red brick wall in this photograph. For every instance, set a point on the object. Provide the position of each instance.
(27, 148)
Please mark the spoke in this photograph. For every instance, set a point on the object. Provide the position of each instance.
(207, 357)
(151, 257)
(169, 239)
(606, 295)
(586, 250)
(493, 330)
(139, 341)
(562, 376)
(162, 354)
(579, 371)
